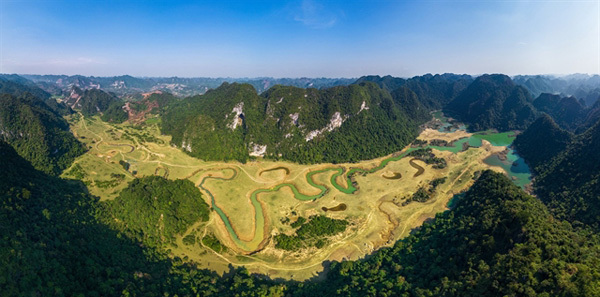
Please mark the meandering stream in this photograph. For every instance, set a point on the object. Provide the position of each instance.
(513, 165)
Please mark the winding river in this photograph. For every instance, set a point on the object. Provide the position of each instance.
(519, 172)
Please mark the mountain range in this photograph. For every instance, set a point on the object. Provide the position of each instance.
(497, 240)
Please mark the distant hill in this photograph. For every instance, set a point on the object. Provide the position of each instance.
(592, 116)
(542, 141)
(179, 86)
(493, 102)
(90, 102)
(569, 183)
(37, 133)
(388, 82)
(151, 103)
(433, 91)
(583, 86)
(339, 124)
(568, 112)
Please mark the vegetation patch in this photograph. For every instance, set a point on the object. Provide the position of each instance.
(154, 210)
(212, 242)
(426, 155)
(313, 233)
(423, 194)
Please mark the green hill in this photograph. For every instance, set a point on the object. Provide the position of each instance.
(19, 86)
(433, 91)
(37, 133)
(542, 141)
(569, 184)
(339, 124)
(567, 112)
(493, 102)
(153, 209)
(498, 241)
(91, 101)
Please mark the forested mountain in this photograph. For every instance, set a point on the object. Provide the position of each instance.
(339, 124)
(592, 116)
(498, 241)
(569, 183)
(567, 112)
(388, 82)
(115, 113)
(19, 86)
(91, 101)
(542, 141)
(433, 91)
(410, 103)
(493, 102)
(37, 133)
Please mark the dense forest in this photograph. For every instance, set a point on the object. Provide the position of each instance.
(37, 133)
(94, 101)
(542, 141)
(18, 86)
(570, 182)
(497, 240)
(339, 124)
(433, 91)
(493, 102)
(154, 209)
(568, 112)
(58, 240)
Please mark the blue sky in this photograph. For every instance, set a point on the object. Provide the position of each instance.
(298, 38)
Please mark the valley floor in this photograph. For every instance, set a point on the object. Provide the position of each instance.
(253, 202)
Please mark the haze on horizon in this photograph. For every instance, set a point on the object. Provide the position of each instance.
(305, 38)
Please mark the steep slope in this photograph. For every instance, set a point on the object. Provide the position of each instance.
(436, 91)
(91, 101)
(498, 241)
(409, 102)
(115, 113)
(493, 102)
(388, 82)
(19, 86)
(569, 184)
(567, 112)
(592, 116)
(433, 91)
(542, 141)
(37, 133)
(50, 242)
(339, 124)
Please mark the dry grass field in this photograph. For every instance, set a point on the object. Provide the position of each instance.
(376, 212)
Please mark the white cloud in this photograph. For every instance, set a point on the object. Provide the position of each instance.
(315, 15)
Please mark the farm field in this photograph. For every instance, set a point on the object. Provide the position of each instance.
(255, 202)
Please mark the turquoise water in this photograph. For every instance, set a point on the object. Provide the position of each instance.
(514, 165)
